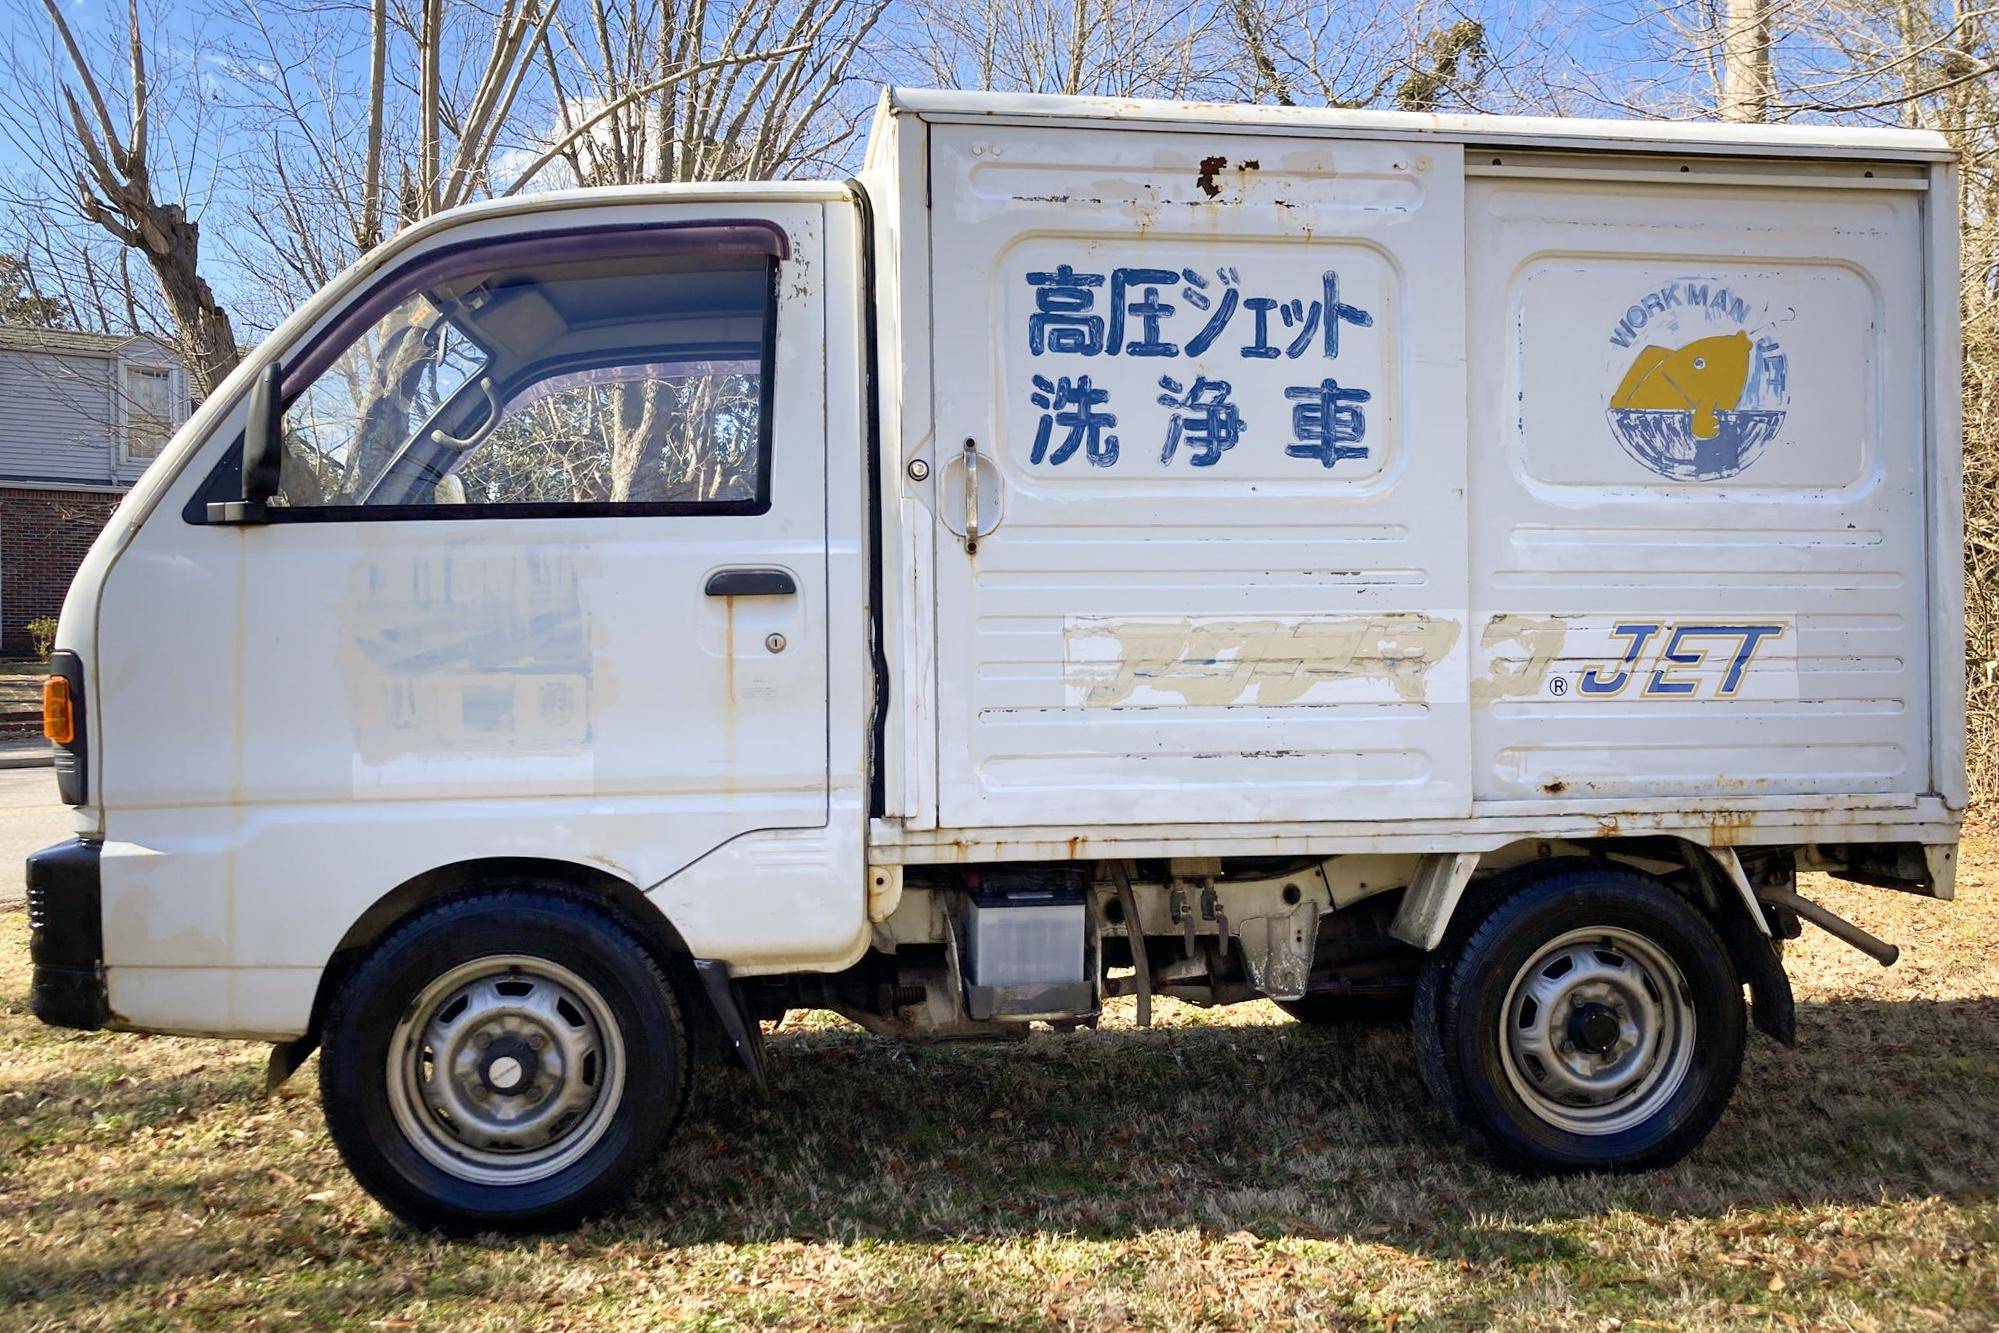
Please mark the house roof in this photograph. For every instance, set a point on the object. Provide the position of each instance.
(74, 342)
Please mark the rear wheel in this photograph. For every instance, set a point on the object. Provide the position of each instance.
(1592, 1019)
(510, 1061)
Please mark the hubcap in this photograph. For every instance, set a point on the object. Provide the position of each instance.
(1597, 1032)
(506, 1070)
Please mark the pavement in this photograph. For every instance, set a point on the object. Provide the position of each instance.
(31, 818)
(24, 751)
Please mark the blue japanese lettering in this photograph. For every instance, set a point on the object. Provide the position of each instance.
(1195, 294)
(1328, 422)
(1148, 310)
(1262, 349)
(1072, 404)
(1203, 416)
(1337, 313)
(1062, 321)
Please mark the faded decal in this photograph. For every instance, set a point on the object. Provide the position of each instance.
(1708, 385)
(1516, 653)
(466, 652)
(1222, 661)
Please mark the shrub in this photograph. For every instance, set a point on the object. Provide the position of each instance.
(42, 632)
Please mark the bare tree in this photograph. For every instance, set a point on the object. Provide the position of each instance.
(22, 300)
(687, 90)
(102, 150)
(1110, 48)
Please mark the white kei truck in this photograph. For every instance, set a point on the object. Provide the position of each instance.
(1106, 549)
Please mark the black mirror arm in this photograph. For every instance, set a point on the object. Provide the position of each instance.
(263, 453)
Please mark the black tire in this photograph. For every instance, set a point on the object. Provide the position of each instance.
(1348, 1010)
(1501, 1099)
(571, 949)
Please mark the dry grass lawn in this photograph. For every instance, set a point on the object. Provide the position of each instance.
(1226, 1170)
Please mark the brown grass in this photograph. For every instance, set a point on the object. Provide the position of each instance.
(1226, 1170)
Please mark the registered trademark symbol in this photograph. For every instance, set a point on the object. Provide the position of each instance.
(1558, 685)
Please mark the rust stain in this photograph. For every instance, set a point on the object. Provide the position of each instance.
(1554, 787)
(729, 652)
(1724, 827)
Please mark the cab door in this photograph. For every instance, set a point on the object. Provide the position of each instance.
(547, 580)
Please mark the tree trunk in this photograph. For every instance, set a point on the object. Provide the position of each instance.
(1745, 61)
(207, 341)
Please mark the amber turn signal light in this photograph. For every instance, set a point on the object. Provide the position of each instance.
(58, 716)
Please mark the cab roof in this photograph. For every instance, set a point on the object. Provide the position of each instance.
(1518, 132)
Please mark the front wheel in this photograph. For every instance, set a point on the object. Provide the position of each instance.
(510, 1061)
(1591, 1021)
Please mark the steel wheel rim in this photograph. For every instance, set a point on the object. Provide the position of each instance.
(506, 1070)
(1597, 1031)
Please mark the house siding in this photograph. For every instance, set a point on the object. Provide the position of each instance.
(58, 418)
(63, 406)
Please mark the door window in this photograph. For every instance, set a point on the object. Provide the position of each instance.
(617, 379)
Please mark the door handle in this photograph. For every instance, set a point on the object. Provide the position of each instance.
(971, 496)
(751, 583)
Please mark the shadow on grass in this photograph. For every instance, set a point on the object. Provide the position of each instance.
(1281, 1131)
(1287, 1130)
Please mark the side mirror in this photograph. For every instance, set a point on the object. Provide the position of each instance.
(263, 453)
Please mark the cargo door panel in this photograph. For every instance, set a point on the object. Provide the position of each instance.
(1214, 393)
(1698, 489)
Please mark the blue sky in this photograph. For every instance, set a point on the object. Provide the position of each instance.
(1590, 59)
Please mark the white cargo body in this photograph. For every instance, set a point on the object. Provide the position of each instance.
(1272, 647)
(1354, 559)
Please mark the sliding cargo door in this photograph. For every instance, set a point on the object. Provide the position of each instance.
(1207, 397)
(1699, 433)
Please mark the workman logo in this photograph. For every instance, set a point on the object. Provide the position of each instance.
(1707, 383)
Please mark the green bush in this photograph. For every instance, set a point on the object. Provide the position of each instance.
(42, 631)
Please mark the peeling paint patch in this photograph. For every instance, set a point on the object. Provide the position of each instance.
(1517, 674)
(1220, 661)
(466, 652)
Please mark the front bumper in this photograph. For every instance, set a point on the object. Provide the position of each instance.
(66, 935)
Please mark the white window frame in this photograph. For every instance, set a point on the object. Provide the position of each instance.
(176, 404)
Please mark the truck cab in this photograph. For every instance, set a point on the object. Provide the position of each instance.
(1104, 550)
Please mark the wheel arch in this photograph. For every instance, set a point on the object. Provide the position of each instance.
(1713, 879)
(589, 884)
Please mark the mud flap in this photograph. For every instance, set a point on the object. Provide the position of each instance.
(1772, 1009)
(745, 1034)
(286, 1057)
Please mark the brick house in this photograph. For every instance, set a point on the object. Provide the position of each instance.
(81, 415)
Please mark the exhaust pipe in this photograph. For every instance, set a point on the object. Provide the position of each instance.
(1832, 924)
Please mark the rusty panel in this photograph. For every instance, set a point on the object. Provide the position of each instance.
(1214, 385)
